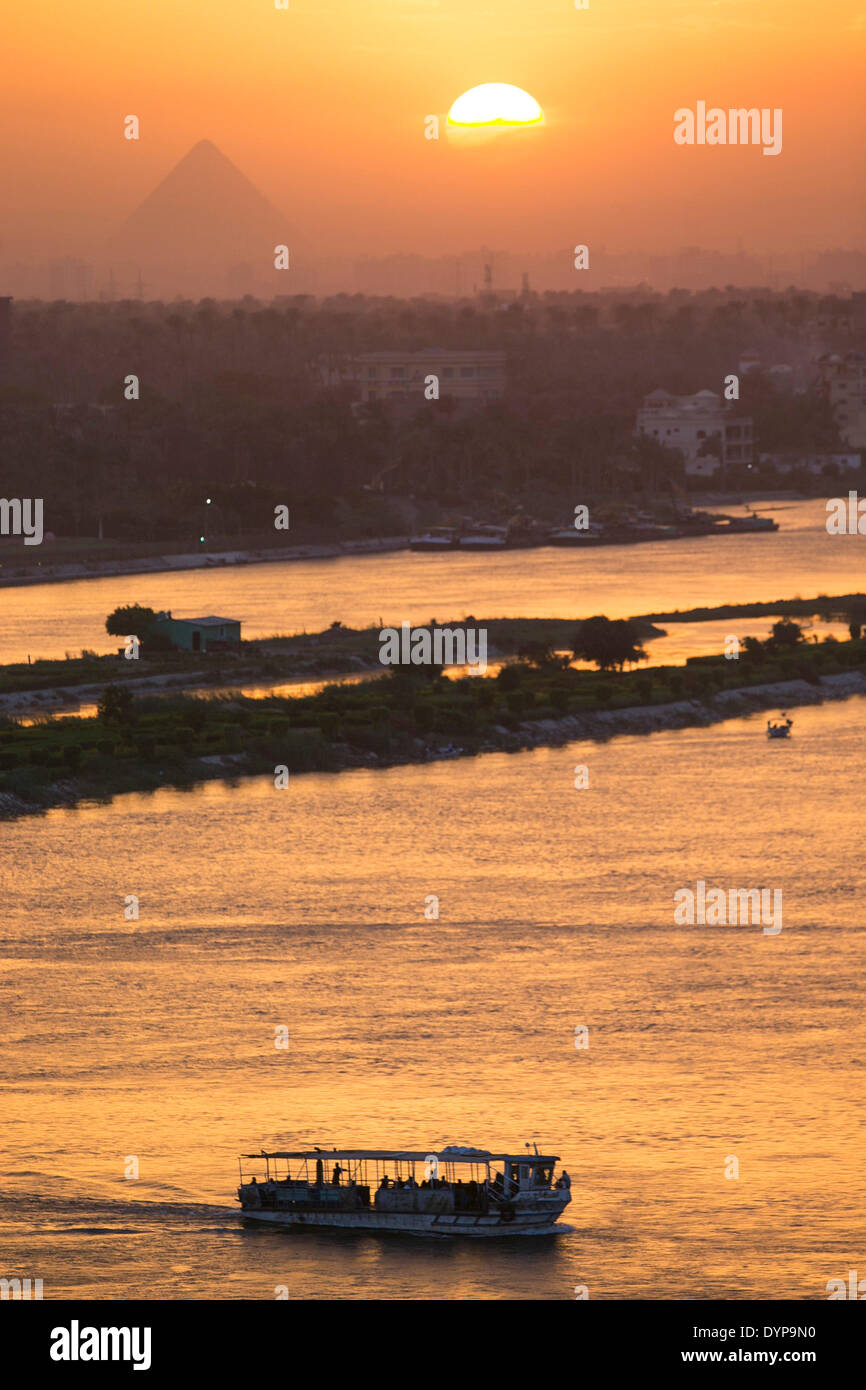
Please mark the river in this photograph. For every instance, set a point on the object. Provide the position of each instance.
(621, 581)
(304, 908)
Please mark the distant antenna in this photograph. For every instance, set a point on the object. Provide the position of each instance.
(524, 290)
(488, 278)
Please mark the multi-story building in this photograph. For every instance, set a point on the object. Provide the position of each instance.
(403, 376)
(690, 423)
(844, 381)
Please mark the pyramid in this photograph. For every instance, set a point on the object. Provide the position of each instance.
(204, 218)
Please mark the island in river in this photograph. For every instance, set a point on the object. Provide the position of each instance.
(140, 742)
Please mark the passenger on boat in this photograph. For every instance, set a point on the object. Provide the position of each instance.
(564, 1180)
(335, 1176)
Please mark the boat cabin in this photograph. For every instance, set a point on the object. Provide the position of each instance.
(456, 1179)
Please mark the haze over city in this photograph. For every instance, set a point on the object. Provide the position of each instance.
(311, 106)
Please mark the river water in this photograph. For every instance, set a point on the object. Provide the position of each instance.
(620, 581)
(305, 909)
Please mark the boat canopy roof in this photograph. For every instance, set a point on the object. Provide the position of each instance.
(449, 1155)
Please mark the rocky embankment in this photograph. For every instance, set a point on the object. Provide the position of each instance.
(680, 714)
(598, 725)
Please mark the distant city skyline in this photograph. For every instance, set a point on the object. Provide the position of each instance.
(326, 111)
(206, 229)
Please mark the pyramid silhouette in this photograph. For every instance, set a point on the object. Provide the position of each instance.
(205, 213)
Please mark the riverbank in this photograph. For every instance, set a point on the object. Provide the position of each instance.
(21, 566)
(840, 606)
(56, 571)
(410, 715)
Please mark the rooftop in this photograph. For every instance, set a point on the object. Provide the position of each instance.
(199, 622)
(412, 1155)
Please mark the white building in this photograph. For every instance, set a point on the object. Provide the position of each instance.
(688, 423)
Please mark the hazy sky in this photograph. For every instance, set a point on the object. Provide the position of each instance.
(323, 107)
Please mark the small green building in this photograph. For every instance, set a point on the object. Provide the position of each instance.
(199, 634)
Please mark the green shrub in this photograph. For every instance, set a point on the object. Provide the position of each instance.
(423, 715)
(329, 723)
(518, 701)
(510, 677)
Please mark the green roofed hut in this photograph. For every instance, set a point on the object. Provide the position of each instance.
(199, 634)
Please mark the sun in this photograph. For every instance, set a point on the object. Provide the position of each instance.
(495, 103)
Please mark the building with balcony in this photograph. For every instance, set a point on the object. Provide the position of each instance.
(703, 427)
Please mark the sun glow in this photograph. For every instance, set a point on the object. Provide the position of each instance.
(495, 103)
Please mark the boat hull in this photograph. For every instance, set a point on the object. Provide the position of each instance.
(530, 1223)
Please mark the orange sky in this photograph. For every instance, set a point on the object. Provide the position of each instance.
(323, 108)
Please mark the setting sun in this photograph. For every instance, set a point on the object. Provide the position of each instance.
(495, 103)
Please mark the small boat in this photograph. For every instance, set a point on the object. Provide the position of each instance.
(483, 538)
(779, 728)
(437, 538)
(458, 1190)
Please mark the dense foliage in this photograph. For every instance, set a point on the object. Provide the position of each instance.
(249, 405)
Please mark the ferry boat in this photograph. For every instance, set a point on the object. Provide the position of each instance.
(456, 1191)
